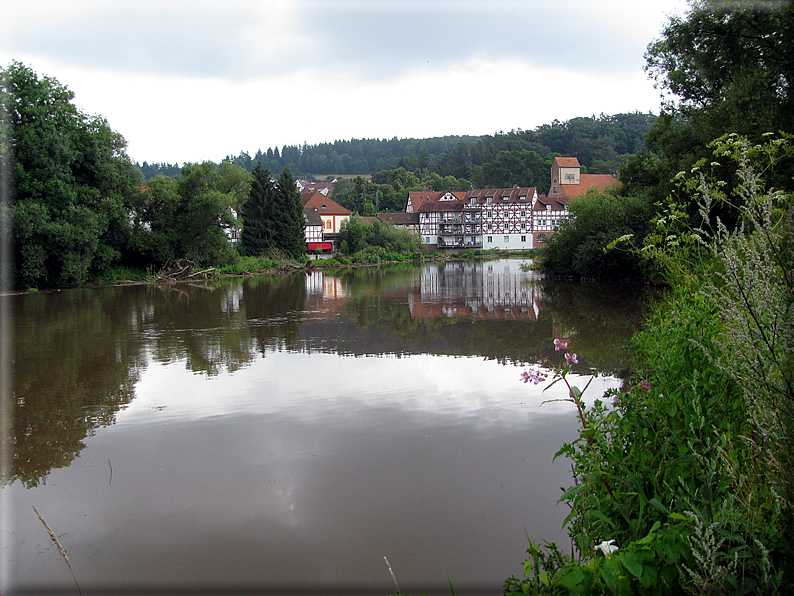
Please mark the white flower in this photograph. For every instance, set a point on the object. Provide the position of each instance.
(607, 547)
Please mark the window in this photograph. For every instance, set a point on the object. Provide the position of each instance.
(507, 238)
(523, 226)
(523, 238)
(490, 238)
(488, 200)
(548, 207)
(523, 214)
(328, 224)
(489, 226)
(427, 239)
(489, 213)
(522, 198)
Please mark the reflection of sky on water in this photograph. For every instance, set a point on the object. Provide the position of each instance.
(306, 469)
(309, 387)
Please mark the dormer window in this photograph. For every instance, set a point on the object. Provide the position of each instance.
(522, 198)
(489, 200)
(548, 207)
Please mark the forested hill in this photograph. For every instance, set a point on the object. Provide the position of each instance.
(601, 143)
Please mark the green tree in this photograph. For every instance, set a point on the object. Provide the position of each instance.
(578, 249)
(730, 67)
(191, 217)
(730, 64)
(74, 190)
(257, 238)
(289, 224)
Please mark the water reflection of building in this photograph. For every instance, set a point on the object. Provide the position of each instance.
(487, 291)
(325, 295)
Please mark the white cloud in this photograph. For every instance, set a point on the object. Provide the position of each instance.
(288, 85)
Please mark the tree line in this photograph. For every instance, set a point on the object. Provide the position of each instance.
(601, 143)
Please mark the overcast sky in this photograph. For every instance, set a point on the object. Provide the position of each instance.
(188, 80)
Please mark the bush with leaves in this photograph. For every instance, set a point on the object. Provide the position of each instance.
(689, 470)
(579, 248)
(356, 235)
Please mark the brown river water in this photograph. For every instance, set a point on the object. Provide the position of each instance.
(285, 434)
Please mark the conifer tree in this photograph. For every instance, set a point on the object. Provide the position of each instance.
(289, 235)
(258, 225)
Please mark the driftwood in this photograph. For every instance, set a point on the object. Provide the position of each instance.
(183, 271)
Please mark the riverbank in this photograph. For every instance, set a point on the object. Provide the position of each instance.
(265, 265)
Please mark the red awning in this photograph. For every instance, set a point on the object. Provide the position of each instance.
(321, 245)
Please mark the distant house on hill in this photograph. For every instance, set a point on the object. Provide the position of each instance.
(324, 188)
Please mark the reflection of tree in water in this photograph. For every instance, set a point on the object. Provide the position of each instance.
(79, 353)
(274, 311)
(76, 361)
(204, 325)
(599, 319)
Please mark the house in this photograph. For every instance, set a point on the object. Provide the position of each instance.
(401, 221)
(502, 218)
(313, 231)
(324, 188)
(478, 218)
(546, 216)
(331, 212)
(568, 183)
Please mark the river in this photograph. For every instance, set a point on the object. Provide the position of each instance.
(285, 434)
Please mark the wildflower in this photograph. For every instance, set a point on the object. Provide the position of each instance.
(570, 358)
(646, 386)
(535, 376)
(607, 547)
(560, 344)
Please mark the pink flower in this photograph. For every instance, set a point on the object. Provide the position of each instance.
(646, 386)
(535, 376)
(560, 344)
(570, 358)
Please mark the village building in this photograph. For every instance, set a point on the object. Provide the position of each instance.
(307, 186)
(401, 221)
(502, 218)
(478, 218)
(331, 212)
(568, 183)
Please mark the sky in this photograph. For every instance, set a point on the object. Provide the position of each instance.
(194, 80)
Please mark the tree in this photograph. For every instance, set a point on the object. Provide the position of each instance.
(578, 248)
(730, 63)
(289, 224)
(258, 231)
(75, 191)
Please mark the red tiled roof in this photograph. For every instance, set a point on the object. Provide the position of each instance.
(323, 204)
(600, 182)
(567, 162)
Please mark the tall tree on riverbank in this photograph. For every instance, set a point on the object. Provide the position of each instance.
(289, 224)
(75, 193)
(259, 220)
(729, 68)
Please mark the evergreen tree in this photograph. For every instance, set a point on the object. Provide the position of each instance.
(259, 219)
(289, 224)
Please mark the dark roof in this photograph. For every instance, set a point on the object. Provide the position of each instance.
(312, 216)
(402, 219)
